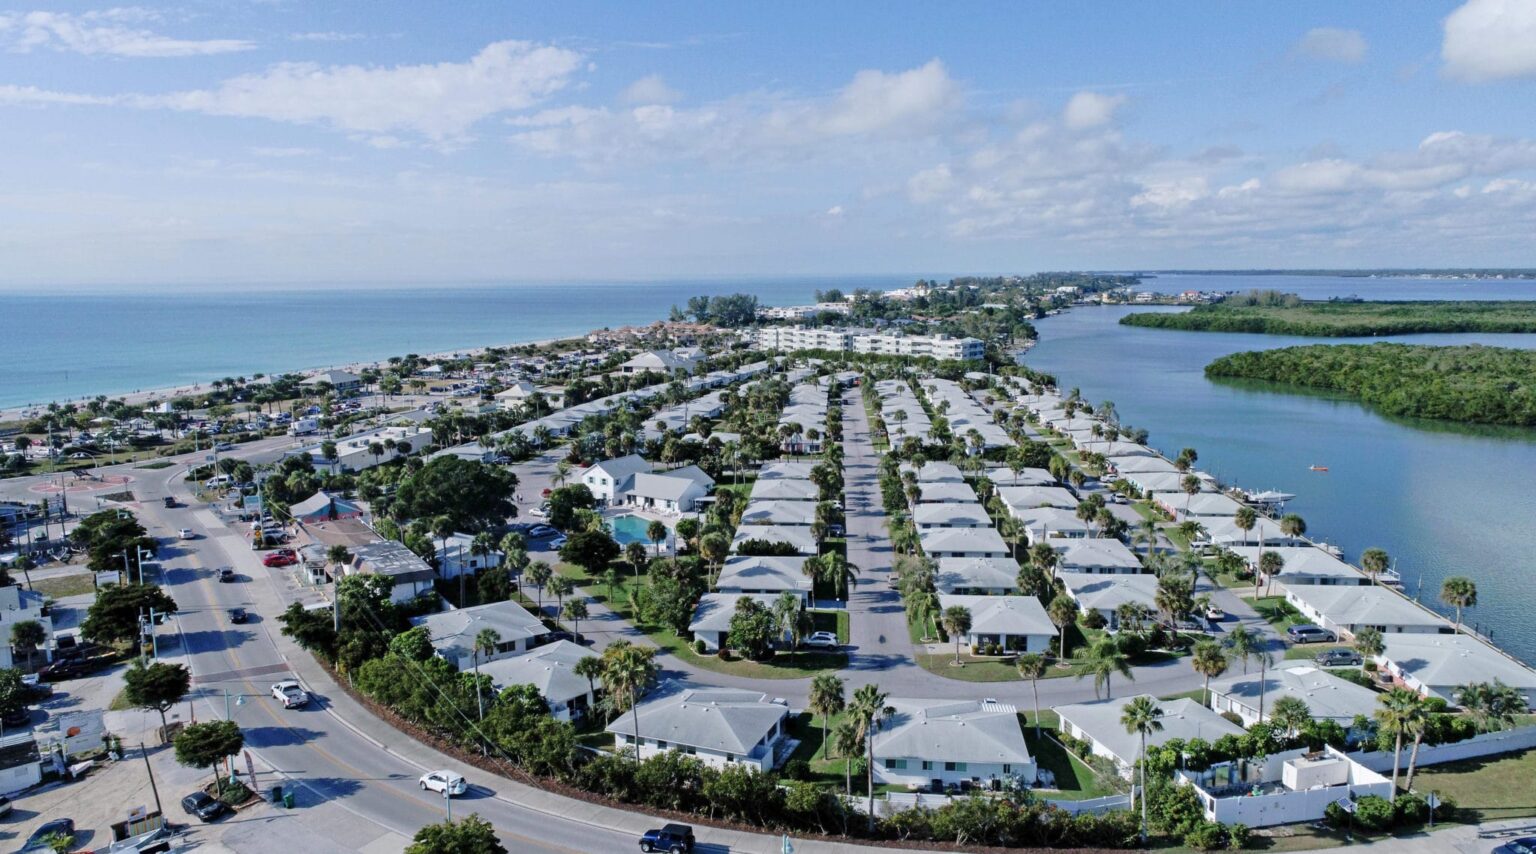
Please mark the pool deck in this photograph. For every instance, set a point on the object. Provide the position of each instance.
(649, 516)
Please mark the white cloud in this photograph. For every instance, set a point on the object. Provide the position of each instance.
(875, 100)
(1091, 109)
(326, 37)
(33, 96)
(649, 90)
(1332, 44)
(440, 101)
(1490, 40)
(930, 184)
(106, 33)
(835, 210)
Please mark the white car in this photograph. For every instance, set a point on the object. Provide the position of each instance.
(826, 640)
(290, 694)
(186, 534)
(1215, 614)
(444, 781)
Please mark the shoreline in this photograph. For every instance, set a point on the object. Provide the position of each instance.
(155, 395)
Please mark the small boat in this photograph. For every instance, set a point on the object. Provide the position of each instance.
(1318, 468)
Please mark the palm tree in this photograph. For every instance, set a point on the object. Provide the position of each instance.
(1191, 487)
(561, 587)
(1032, 667)
(1369, 641)
(1418, 720)
(1266, 661)
(1209, 661)
(1046, 558)
(27, 636)
(870, 710)
(486, 641)
(656, 532)
(1491, 705)
(957, 621)
(561, 474)
(1270, 565)
(1291, 714)
(1243, 644)
(848, 738)
(575, 611)
(1062, 611)
(1105, 659)
(589, 667)
(1396, 712)
(338, 556)
(1375, 561)
(1142, 717)
(539, 573)
(826, 700)
(1245, 519)
(1459, 592)
(627, 670)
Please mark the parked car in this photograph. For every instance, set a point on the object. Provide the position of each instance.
(18, 717)
(444, 781)
(283, 557)
(1339, 658)
(226, 575)
(186, 534)
(1523, 845)
(540, 512)
(1307, 633)
(672, 838)
(238, 615)
(540, 532)
(57, 827)
(203, 806)
(170, 501)
(224, 446)
(557, 542)
(290, 694)
(1215, 614)
(825, 640)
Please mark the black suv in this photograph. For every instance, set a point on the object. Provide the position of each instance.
(672, 838)
(203, 806)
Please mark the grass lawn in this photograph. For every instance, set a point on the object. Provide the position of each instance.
(1309, 651)
(157, 464)
(1280, 613)
(1075, 781)
(801, 664)
(1492, 787)
(60, 586)
(831, 621)
(1197, 694)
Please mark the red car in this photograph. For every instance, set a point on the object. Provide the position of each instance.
(284, 557)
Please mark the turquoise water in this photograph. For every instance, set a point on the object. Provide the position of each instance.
(1441, 498)
(631, 529)
(58, 346)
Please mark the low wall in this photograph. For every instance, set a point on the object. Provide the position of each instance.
(1096, 806)
(1486, 744)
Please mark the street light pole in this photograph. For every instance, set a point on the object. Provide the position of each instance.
(448, 802)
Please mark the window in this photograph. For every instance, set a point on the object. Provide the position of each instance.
(1007, 769)
(895, 764)
(955, 766)
(927, 765)
(661, 745)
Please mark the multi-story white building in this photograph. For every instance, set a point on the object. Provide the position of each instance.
(800, 312)
(791, 338)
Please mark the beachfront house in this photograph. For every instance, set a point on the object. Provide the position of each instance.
(717, 726)
(454, 632)
(1185, 506)
(1346, 610)
(1283, 788)
(951, 516)
(341, 382)
(412, 576)
(1015, 623)
(662, 362)
(550, 669)
(1223, 531)
(1106, 593)
(765, 574)
(977, 576)
(1439, 665)
(1304, 565)
(1093, 555)
(928, 744)
(1098, 724)
(1328, 697)
(940, 543)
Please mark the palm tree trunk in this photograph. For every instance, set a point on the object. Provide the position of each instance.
(634, 711)
(825, 747)
(1413, 759)
(1034, 687)
(869, 770)
(1143, 788)
(1397, 755)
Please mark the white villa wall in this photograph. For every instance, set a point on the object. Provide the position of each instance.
(651, 747)
(920, 773)
(1487, 744)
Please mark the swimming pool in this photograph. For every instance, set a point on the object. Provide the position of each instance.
(631, 529)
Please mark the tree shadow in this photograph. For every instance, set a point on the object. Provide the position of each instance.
(212, 640)
(280, 736)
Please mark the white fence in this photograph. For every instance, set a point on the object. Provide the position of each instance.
(1096, 806)
(1487, 744)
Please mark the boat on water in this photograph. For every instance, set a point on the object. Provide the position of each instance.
(1268, 498)
(1317, 468)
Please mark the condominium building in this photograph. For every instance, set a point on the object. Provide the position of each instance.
(790, 338)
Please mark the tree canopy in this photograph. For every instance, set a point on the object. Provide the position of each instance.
(114, 616)
(472, 494)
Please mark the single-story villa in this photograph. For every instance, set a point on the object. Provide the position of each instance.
(717, 726)
(1305, 565)
(1094, 555)
(1043, 523)
(784, 489)
(1098, 723)
(324, 507)
(1024, 477)
(782, 470)
(797, 537)
(1439, 665)
(712, 616)
(454, 632)
(1117, 449)
(940, 543)
(1346, 610)
(413, 577)
(951, 741)
(1157, 479)
(1183, 505)
(765, 574)
(951, 516)
(1017, 623)
(937, 472)
(1223, 531)
(1327, 696)
(1126, 466)
(675, 491)
(977, 576)
(1106, 593)
(1021, 498)
(945, 492)
(458, 556)
(551, 670)
(768, 512)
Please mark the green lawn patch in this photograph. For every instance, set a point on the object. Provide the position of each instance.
(120, 702)
(1492, 787)
(157, 464)
(60, 586)
(831, 621)
(1307, 652)
(1280, 613)
(1075, 781)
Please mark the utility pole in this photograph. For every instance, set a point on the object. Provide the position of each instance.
(152, 788)
(448, 802)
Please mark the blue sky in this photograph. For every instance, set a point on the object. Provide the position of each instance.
(390, 142)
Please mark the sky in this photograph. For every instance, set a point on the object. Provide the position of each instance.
(285, 142)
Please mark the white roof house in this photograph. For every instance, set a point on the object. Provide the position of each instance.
(605, 479)
(1305, 565)
(939, 543)
(718, 726)
(1025, 477)
(1289, 787)
(952, 741)
(1156, 479)
(1327, 696)
(785, 471)
(1183, 505)
(661, 361)
(951, 516)
(1094, 555)
(551, 670)
(994, 576)
(797, 537)
(712, 616)
(674, 491)
(1023, 498)
(764, 574)
(1347, 609)
(1098, 723)
(937, 472)
(947, 492)
(1126, 466)
(1438, 665)
(1223, 531)
(1117, 449)
(17, 606)
(1106, 593)
(770, 512)
(1014, 622)
(784, 490)
(1043, 523)
(453, 632)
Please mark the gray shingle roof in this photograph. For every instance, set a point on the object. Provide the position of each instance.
(952, 731)
(724, 720)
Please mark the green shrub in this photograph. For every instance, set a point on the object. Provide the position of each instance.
(698, 646)
(1206, 836)
(797, 769)
(235, 794)
(1238, 836)
(1373, 812)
